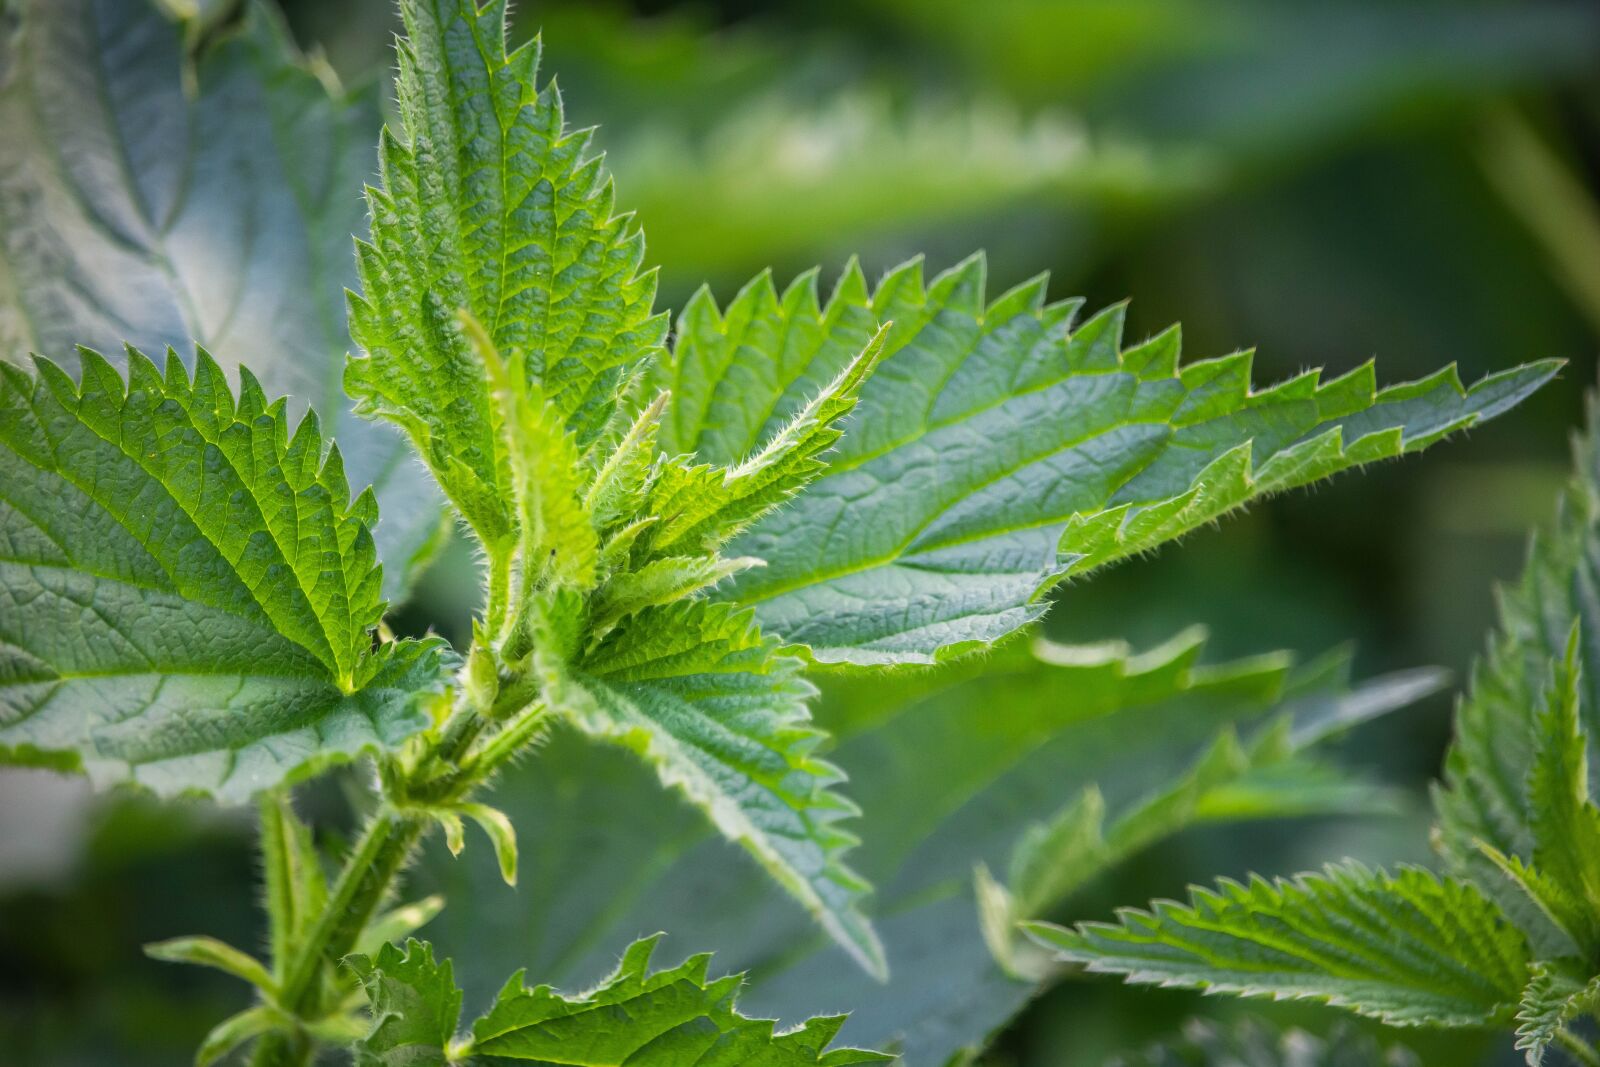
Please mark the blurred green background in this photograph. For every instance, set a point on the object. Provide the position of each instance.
(1412, 180)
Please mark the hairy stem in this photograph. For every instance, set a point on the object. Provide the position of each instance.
(373, 867)
(368, 874)
(282, 1049)
(1578, 1049)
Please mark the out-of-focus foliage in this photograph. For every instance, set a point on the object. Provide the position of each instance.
(945, 783)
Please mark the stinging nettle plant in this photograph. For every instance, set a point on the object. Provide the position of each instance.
(1509, 936)
(674, 526)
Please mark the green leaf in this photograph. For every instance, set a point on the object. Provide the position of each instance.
(490, 204)
(1558, 993)
(1564, 877)
(209, 952)
(995, 451)
(502, 836)
(1251, 1043)
(1267, 778)
(415, 1007)
(234, 1031)
(698, 692)
(670, 1018)
(557, 539)
(189, 592)
(701, 507)
(942, 790)
(1485, 806)
(167, 190)
(398, 922)
(1408, 949)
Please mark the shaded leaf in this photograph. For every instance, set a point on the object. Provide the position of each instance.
(166, 198)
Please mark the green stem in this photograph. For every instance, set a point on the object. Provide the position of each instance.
(1578, 1049)
(375, 863)
(281, 1048)
(362, 886)
(511, 739)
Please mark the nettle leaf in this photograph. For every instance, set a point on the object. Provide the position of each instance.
(165, 197)
(1268, 774)
(942, 790)
(189, 592)
(998, 449)
(1409, 949)
(698, 692)
(1486, 808)
(1558, 992)
(1251, 1043)
(490, 204)
(670, 1018)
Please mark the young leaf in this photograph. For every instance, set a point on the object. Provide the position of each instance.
(995, 451)
(167, 188)
(698, 692)
(1484, 806)
(1558, 993)
(188, 592)
(209, 952)
(491, 205)
(1408, 949)
(1268, 778)
(672, 1018)
(1565, 875)
(703, 506)
(415, 1007)
(234, 1031)
(557, 540)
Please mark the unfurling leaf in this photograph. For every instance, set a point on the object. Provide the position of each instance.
(1559, 991)
(491, 205)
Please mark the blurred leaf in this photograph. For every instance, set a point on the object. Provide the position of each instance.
(945, 783)
(1250, 1043)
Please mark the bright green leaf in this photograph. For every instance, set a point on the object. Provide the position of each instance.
(670, 1018)
(1408, 949)
(996, 449)
(706, 700)
(491, 205)
(1558, 992)
(189, 592)
(415, 1007)
(1485, 807)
